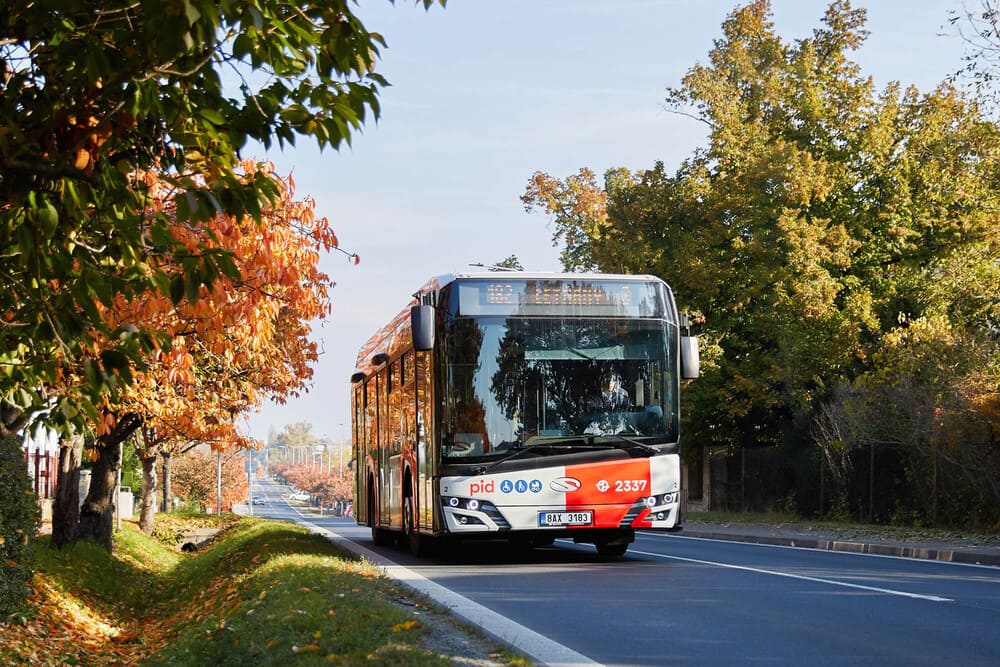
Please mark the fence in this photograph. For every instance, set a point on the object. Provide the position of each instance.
(42, 466)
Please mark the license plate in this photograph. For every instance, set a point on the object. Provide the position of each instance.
(565, 518)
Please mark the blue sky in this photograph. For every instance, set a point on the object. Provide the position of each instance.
(486, 92)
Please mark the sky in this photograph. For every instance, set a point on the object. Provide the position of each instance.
(486, 92)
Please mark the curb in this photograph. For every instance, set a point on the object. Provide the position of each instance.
(901, 551)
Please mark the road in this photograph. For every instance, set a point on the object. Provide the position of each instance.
(673, 600)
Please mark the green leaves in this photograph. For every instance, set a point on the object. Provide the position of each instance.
(819, 210)
(95, 97)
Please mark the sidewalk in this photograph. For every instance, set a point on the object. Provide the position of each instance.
(884, 541)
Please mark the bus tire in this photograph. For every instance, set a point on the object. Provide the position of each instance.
(611, 549)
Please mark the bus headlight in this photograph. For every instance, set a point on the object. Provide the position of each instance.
(662, 500)
(482, 508)
(471, 504)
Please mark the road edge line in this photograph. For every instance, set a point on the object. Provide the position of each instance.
(544, 651)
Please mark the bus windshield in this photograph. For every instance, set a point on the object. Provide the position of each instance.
(514, 382)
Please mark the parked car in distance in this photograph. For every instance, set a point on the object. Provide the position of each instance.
(300, 495)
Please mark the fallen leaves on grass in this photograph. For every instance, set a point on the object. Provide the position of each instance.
(406, 625)
(63, 629)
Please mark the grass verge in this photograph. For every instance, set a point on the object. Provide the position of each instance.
(261, 593)
(844, 529)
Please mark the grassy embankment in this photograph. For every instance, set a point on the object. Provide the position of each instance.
(261, 593)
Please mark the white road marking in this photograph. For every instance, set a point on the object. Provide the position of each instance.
(789, 575)
(542, 650)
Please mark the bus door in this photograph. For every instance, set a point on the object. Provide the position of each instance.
(425, 450)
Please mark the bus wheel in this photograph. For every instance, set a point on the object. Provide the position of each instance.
(414, 539)
(611, 549)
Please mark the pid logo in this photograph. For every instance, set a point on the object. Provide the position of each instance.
(482, 486)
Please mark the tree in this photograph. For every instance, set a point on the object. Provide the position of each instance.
(240, 343)
(296, 436)
(328, 488)
(578, 206)
(92, 97)
(821, 217)
(511, 263)
(980, 29)
(195, 478)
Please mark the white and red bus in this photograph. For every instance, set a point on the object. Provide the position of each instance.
(523, 406)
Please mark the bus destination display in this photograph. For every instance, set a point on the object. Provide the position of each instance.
(536, 297)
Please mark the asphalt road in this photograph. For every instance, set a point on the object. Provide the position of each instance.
(680, 601)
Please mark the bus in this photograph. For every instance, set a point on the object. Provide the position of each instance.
(523, 406)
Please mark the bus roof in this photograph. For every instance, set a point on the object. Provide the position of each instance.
(396, 334)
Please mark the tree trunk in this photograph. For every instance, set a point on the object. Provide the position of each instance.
(66, 506)
(147, 507)
(167, 501)
(97, 513)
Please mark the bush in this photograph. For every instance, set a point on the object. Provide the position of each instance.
(20, 518)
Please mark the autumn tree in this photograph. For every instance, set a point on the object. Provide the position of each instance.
(235, 345)
(822, 218)
(196, 479)
(95, 96)
(327, 487)
(92, 99)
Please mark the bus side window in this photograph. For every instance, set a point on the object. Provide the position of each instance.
(395, 415)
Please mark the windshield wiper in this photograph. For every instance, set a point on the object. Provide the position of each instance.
(515, 451)
(518, 449)
(622, 441)
(632, 443)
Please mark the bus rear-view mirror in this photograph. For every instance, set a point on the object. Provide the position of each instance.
(422, 326)
(690, 361)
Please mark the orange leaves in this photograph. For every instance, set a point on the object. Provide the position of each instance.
(108, 421)
(64, 630)
(178, 364)
(244, 339)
